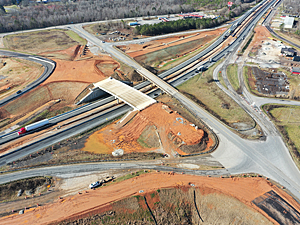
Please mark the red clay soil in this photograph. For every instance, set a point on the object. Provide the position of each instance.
(84, 204)
(111, 138)
(80, 71)
(260, 35)
(135, 50)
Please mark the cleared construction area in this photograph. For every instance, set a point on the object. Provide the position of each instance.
(129, 95)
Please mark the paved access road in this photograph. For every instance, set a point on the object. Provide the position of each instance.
(48, 64)
(270, 158)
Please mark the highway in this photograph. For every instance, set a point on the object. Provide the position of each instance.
(266, 23)
(48, 65)
(270, 158)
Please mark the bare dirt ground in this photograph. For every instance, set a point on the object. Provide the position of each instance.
(151, 129)
(165, 53)
(16, 74)
(264, 51)
(87, 203)
(135, 50)
(68, 80)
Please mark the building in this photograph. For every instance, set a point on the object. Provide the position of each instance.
(295, 70)
(289, 52)
(296, 58)
(288, 22)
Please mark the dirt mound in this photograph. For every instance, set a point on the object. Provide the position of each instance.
(176, 206)
(84, 204)
(28, 102)
(261, 34)
(170, 129)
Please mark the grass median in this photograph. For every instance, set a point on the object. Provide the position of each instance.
(232, 74)
(205, 92)
(287, 120)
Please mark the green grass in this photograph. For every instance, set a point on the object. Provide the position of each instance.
(142, 142)
(181, 59)
(205, 92)
(221, 80)
(37, 42)
(287, 119)
(129, 176)
(76, 37)
(232, 75)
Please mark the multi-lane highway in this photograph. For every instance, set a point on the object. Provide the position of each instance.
(48, 64)
(270, 158)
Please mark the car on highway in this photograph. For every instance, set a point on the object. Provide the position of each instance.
(95, 184)
(19, 92)
(103, 41)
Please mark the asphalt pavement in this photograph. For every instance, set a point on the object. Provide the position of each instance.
(48, 64)
(270, 158)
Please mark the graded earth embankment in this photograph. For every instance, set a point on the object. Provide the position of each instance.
(155, 127)
(243, 189)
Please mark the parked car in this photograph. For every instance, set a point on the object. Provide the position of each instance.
(95, 184)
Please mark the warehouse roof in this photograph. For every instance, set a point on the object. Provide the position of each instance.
(288, 22)
(129, 95)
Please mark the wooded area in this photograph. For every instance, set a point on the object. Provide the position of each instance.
(191, 23)
(29, 14)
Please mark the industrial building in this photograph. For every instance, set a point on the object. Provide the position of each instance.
(289, 22)
(289, 52)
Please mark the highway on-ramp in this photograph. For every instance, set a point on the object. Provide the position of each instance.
(270, 158)
(48, 64)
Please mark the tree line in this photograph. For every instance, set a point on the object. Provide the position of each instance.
(190, 23)
(30, 15)
(41, 15)
(178, 25)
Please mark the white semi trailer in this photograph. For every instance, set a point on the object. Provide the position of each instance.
(33, 126)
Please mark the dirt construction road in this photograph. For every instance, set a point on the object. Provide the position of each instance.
(243, 189)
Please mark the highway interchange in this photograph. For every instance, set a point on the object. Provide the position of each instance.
(270, 158)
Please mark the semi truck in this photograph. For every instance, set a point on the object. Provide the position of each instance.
(33, 126)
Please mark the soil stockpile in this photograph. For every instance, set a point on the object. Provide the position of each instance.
(155, 127)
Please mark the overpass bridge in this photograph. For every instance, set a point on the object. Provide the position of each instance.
(125, 93)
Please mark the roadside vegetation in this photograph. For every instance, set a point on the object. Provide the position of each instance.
(232, 75)
(177, 26)
(203, 90)
(35, 185)
(287, 120)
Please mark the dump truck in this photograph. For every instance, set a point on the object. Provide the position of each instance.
(33, 126)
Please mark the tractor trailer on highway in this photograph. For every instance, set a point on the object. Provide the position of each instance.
(33, 126)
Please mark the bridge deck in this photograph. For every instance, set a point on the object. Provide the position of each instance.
(129, 95)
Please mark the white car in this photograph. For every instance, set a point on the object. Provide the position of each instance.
(95, 184)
